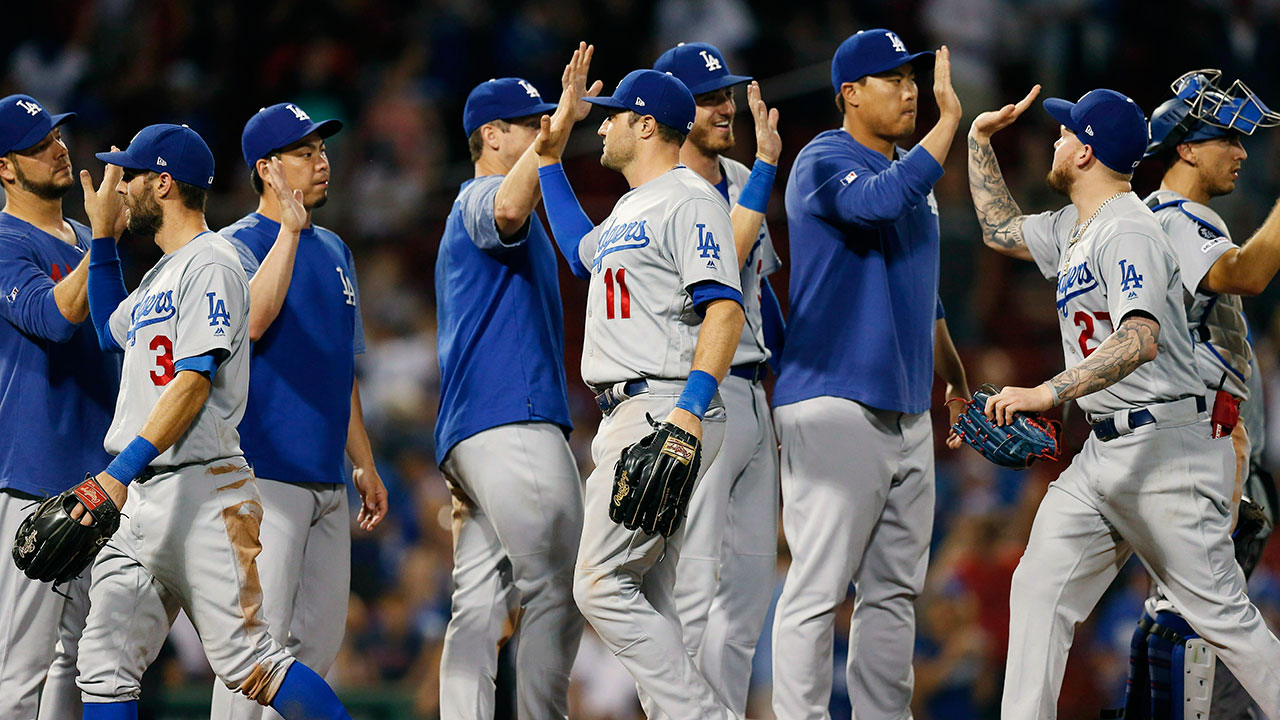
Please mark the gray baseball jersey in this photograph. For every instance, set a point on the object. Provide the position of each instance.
(761, 262)
(194, 301)
(1199, 238)
(661, 239)
(1122, 262)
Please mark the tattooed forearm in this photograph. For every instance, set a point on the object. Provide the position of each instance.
(1132, 344)
(1000, 217)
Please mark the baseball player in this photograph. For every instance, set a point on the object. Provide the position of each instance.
(59, 391)
(302, 282)
(1151, 478)
(189, 537)
(865, 334)
(504, 419)
(664, 316)
(727, 569)
(1197, 137)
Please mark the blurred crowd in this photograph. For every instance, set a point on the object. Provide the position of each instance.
(397, 74)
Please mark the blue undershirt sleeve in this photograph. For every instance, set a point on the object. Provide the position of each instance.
(707, 290)
(569, 223)
(106, 290)
(941, 312)
(774, 326)
(206, 364)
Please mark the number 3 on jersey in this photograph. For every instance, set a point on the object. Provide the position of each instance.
(164, 359)
(623, 295)
(1086, 322)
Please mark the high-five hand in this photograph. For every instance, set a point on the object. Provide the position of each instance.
(104, 206)
(993, 121)
(768, 141)
(553, 134)
(948, 101)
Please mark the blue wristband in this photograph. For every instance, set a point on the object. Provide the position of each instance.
(699, 389)
(131, 461)
(755, 194)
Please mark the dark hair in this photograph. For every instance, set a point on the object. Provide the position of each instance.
(193, 198)
(666, 133)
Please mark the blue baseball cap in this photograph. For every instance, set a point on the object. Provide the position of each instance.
(870, 52)
(649, 92)
(1107, 121)
(174, 149)
(700, 66)
(23, 122)
(278, 126)
(502, 99)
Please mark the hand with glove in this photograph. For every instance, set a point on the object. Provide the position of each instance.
(53, 543)
(654, 478)
(1018, 440)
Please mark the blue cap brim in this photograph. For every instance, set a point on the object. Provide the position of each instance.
(539, 109)
(37, 133)
(120, 158)
(325, 128)
(719, 83)
(1061, 111)
(609, 102)
(912, 60)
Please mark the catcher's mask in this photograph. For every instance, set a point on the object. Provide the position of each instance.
(1202, 110)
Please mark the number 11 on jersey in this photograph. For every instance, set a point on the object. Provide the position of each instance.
(624, 295)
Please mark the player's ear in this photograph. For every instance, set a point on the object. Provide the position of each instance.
(164, 185)
(1187, 153)
(1085, 156)
(490, 134)
(7, 171)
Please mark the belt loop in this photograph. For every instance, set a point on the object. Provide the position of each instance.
(1121, 418)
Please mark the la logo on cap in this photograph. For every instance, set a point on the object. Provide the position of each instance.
(297, 112)
(898, 45)
(30, 107)
(713, 63)
(530, 89)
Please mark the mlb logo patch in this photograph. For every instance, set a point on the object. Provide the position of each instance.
(849, 178)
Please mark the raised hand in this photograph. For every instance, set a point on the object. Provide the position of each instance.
(768, 141)
(948, 101)
(993, 121)
(104, 206)
(553, 134)
(293, 214)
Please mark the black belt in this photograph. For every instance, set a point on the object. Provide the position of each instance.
(1106, 429)
(20, 494)
(610, 398)
(151, 471)
(751, 372)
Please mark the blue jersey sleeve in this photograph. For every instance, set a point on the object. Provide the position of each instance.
(28, 296)
(479, 220)
(843, 191)
(569, 222)
(248, 259)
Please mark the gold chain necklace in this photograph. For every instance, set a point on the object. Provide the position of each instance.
(1078, 231)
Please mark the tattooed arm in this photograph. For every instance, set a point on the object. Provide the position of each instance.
(1132, 344)
(1000, 217)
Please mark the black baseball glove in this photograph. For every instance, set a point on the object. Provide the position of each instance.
(1028, 438)
(654, 478)
(53, 546)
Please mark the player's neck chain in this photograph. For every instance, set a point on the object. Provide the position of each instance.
(1077, 232)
